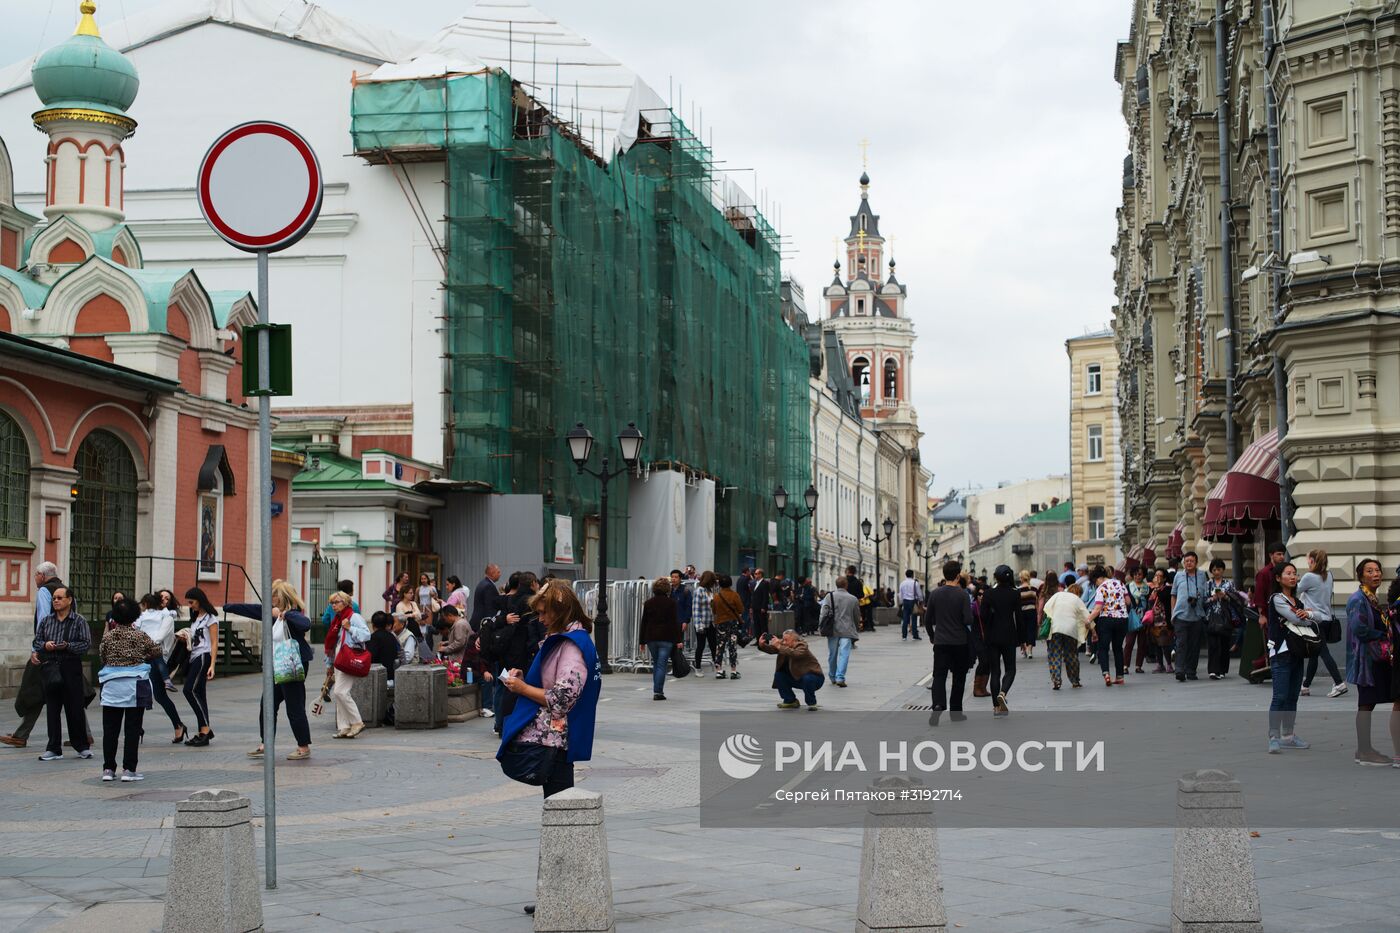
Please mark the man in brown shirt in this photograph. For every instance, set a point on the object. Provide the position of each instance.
(796, 667)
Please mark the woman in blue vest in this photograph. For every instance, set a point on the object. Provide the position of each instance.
(558, 698)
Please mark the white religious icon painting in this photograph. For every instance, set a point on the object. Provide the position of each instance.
(208, 535)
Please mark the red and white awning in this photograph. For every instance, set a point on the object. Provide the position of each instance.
(1176, 541)
(1248, 493)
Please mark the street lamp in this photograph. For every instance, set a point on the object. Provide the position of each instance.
(972, 568)
(919, 552)
(865, 528)
(580, 441)
(780, 498)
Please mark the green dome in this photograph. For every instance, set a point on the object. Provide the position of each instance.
(86, 72)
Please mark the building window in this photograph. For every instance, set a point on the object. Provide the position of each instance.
(860, 375)
(860, 306)
(14, 481)
(891, 379)
(1001, 509)
(1093, 381)
(1095, 451)
(211, 529)
(1095, 522)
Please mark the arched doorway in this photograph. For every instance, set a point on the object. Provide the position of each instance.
(102, 556)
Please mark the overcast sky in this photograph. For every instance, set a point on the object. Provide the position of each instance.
(995, 155)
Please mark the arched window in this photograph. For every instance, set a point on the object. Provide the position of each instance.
(860, 375)
(14, 480)
(102, 553)
(891, 379)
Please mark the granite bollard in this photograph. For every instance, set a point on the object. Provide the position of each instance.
(901, 880)
(371, 696)
(212, 886)
(420, 697)
(1213, 885)
(573, 885)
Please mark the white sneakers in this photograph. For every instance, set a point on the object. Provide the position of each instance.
(1338, 690)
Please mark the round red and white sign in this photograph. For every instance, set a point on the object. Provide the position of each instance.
(259, 186)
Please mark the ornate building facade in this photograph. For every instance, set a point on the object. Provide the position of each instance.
(1095, 455)
(1263, 301)
(127, 452)
(866, 334)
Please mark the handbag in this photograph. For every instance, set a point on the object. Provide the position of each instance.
(680, 665)
(529, 762)
(286, 657)
(827, 626)
(1332, 631)
(351, 660)
(1044, 632)
(1218, 620)
(50, 674)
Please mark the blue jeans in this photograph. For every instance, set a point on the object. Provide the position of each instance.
(1287, 681)
(907, 620)
(660, 660)
(838, 656)
(783, 682)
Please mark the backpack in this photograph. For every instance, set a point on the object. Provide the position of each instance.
(827, 627)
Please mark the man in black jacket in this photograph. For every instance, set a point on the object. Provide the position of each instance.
(485, 597)
(760, 601)
(948, 621)
(29, 702)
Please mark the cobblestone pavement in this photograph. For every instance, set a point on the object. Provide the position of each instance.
(419, 830)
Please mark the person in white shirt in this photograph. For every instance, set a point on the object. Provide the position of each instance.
(910, 595)
(1315, 593)
(159, 625)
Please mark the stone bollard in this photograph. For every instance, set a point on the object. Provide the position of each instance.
(901, 880)
(371, 695)
(420, 697)
(573, 886)
(212, 886)
(1213, 886)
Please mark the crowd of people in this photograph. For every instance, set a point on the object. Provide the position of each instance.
(1164, 616)
(496, 633)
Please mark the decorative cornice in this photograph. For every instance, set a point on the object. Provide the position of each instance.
(83, 115)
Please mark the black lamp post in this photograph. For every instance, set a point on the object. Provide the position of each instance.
(919, 552)
(580, 439)
(972, 568)
(865, 528)
(780, 498)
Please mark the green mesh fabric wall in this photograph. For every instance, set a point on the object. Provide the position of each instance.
(603, 294)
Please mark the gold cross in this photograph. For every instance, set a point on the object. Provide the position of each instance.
(865, 153)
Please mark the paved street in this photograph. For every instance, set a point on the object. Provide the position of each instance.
(419, 830)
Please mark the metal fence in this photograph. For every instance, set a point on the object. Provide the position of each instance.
(625, 601)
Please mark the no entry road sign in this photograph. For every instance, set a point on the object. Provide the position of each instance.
(259, 186)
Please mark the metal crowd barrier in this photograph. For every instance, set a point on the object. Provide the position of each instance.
(625, 601)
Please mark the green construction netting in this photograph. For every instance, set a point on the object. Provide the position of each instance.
(577, 291)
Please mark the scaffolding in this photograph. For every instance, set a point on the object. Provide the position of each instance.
(579, 290)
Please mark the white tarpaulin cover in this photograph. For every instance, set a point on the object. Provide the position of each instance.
(562, 70)
(294, 19)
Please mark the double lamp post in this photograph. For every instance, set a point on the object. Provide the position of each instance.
(919, 552)
(780, 498)
(865, 529)
(580, 439)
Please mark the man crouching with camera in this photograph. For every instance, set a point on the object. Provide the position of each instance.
(796, 667)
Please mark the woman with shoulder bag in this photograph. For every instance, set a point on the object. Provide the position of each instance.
(1315, 592)
(1163, 635)
(201, 638)
(1371, 662)
(1286, 651)
(290, 625)
(551, 725)
(728, 607)
(1220, 620)
(345, 652)
(1138, 591)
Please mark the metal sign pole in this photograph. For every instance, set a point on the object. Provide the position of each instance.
(269, 711)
